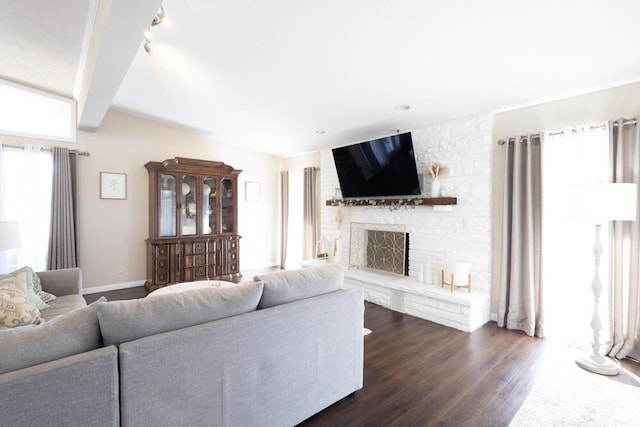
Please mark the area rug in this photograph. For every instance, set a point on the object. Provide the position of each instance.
(567, 395)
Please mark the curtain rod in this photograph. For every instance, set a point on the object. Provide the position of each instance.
(537, 135)
(73, 151)
(520, 138)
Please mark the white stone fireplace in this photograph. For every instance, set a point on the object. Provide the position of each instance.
(458, 233)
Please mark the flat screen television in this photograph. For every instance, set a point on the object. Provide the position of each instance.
(383, 167)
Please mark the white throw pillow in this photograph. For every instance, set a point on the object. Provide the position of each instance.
(15, 307)
(33, 297)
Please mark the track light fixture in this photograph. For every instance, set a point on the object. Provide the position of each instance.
(157, 20)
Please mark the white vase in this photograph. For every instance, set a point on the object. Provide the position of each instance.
(428, 275)
(435, 187)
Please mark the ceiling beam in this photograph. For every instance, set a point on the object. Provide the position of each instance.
(116, 37)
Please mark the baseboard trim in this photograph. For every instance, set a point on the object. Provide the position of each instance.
(114, 287)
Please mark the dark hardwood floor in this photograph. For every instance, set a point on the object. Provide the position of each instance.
(121, 294)
(419, 373)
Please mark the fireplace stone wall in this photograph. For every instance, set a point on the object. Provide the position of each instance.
(437, 234)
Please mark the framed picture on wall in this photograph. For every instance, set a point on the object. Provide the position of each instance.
(113, 185)
(252, 191)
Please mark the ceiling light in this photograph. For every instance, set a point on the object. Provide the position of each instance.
(157, 20)
(402, 107)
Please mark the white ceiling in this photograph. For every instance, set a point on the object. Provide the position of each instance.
(41, 42)
(268, 75)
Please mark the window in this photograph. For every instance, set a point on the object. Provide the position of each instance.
(295, 250)
(25, 196)
(27, 112)
(578, 156)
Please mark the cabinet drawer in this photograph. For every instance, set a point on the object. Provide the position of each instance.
(195, 248)
(195, 273)
(200, 248)
(162, 277)
(162, 264)
(162, 250)
(233, 267)
(195, 260)
(200, 273)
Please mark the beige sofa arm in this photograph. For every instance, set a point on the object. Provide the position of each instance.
(66, 281)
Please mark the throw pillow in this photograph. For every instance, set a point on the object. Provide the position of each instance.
(35, 299)
(37, 288)
(15, 307)
(123, 321)
(291, 285)
(72, 333)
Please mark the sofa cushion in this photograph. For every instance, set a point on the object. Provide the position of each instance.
(35, 299)
(37, 288)
(72, 333)
(63, 305)
(291, 285)
(15, 307)
(122, 321)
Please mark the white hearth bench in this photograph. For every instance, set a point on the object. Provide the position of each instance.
(460, 310)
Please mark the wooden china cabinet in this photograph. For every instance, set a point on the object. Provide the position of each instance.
(193, 222)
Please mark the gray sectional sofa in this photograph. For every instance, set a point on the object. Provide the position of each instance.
(271, 352)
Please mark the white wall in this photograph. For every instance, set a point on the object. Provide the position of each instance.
(299, 162)
(464, 232)
(112, 233)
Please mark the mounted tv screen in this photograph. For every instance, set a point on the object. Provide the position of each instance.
(379, 168)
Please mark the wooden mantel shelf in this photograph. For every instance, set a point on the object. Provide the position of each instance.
(403, 201)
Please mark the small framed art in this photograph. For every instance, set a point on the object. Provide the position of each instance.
(113, 185)
(252, 191)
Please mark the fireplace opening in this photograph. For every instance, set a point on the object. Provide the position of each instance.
(380, 247)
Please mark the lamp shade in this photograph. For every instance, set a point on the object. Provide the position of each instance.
(607, 202)
(9, 235)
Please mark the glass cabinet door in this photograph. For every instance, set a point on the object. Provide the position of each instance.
(167, 206)
(226, 200)
(188, 206)
(209, 206)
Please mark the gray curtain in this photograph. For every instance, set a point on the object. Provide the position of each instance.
(520, 297)
(624, 290)
(311, 213)
(62, 234)
(284, 216)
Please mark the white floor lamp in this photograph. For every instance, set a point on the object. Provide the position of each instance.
(601, 202)
(9, 235)
(9, 238)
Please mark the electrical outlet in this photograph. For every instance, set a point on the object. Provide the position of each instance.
(119, 269)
